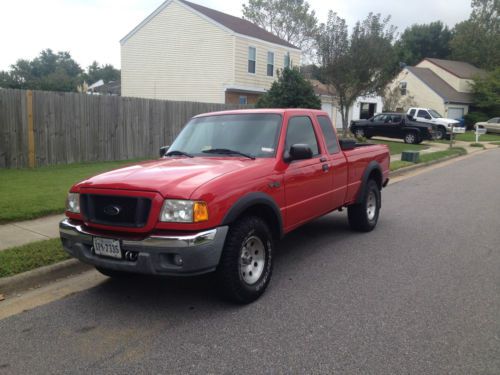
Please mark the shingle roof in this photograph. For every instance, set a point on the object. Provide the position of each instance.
(438, 85)
(322, 89)
(239, 25)
(458, 68)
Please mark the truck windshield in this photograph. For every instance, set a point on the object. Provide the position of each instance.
(434, 113)
(253, 134)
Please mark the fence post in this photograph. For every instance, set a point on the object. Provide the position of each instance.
(31, 129)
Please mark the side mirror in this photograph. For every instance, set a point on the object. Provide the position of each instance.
(298, 151)
(402, 121)
(163, 150)
(347, 144)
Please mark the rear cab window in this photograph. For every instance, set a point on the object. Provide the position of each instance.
(329, 134)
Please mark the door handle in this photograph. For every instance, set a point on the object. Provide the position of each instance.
(323, 159)
(325, 167)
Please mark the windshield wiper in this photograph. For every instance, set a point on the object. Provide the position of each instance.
(226, 151)
(177, 152)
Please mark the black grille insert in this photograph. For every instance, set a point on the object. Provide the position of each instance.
(115, 210)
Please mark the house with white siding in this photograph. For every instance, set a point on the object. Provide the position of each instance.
(188, 52)
(443, 85)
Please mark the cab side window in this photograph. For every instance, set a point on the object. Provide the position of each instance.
(424, 114)
(301, 130)
(329, 134)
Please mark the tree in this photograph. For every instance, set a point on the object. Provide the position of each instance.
(394, 101)
(95, 72)
(420, 41)
(359, 64)
(290, 90)
(477, 40)
(486, 93)
(49, 71)
(291, 20)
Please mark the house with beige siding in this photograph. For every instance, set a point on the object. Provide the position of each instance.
(443, 85)
(188, 52)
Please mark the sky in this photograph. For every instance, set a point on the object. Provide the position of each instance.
(91, 29)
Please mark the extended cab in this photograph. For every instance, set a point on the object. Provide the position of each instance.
(230, 186)
(393, 125)
(443, 125)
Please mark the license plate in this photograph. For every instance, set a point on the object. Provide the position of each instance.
(107, 248)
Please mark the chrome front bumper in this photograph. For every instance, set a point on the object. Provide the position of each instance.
(155, 254)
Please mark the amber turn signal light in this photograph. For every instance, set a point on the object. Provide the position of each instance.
(200, 212)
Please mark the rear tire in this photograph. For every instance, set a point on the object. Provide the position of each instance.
(411, 138)
(363, 216)
(246, 262)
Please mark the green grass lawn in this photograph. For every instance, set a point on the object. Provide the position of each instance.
(27, 257)
(30, 193)
(397, 164)
(431, 156)
(398, 147)
(470, 136)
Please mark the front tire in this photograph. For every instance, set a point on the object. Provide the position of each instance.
(363, 216)
(359, 133)
(440, 133)
(246, 262)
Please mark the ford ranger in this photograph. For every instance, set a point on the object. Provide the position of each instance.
(231, 185)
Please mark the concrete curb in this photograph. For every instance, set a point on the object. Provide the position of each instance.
(411, 168)
(42, 275)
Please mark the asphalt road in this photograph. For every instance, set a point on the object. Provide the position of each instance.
(419, 295)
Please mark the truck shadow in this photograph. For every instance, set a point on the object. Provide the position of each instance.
(297, 250)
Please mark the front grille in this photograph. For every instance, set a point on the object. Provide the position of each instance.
(115, 210)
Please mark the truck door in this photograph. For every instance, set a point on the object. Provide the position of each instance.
(307, 182)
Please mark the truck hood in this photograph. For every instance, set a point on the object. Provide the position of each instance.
(173, 177)
(447, 120)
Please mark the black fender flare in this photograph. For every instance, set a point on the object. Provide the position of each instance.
(253, 199)
(372, 166)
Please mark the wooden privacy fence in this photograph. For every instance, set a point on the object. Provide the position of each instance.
(39, 128)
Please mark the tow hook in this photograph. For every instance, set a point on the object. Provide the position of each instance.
(131, 256)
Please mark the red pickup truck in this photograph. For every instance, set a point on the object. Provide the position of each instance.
(230, 186)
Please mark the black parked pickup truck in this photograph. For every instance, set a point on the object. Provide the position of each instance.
(393, 125)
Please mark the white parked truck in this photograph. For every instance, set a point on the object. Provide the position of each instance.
(443, 125)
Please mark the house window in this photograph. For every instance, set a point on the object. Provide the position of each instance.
(243, 100)
(402, 88)
(252, 53)
(286, 61)
(270, 64)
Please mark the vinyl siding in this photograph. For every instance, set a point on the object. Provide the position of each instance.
(423, 96)
(459, 84)
(178, 55)
(260, 79)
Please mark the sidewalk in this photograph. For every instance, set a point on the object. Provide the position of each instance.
(23, 232)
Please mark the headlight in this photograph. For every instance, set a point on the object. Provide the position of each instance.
(182, 211)
(73, 203)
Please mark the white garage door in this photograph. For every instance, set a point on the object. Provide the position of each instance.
(455, 113)
(328, 108)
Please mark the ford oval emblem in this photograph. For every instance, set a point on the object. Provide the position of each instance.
(112, 210)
